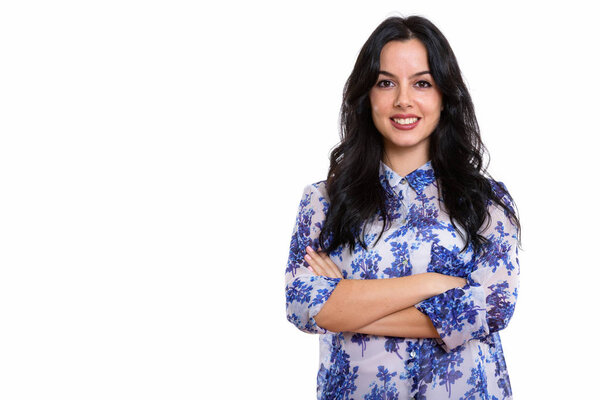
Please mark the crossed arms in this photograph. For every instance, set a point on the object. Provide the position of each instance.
(428, 305)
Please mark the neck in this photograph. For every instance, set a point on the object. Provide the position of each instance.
(405, 162)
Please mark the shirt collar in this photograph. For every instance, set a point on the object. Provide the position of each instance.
(418, 179)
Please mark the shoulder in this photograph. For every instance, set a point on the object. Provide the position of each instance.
(500, 190)
(498, 212)
(315, 197)
(317, 189)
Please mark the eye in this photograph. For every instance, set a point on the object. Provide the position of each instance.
(423, 84)
(384, 83)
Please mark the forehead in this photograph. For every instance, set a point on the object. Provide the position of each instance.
(406, 55)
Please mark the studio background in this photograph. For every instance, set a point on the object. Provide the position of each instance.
(153, 156)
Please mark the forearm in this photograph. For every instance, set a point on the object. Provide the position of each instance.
(408, 323)
(355, 303)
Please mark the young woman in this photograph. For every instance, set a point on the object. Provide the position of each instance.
(405, 259)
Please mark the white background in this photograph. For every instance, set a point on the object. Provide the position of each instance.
(152, 158)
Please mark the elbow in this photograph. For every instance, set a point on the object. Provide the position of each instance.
(501, 303)
(496, 324)
(326, 323)
(325, 319)
(302, 320)
(498, 321)
(294, 319)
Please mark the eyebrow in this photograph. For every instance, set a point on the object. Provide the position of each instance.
(412, 76)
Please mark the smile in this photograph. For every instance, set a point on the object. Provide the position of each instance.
(405, 123)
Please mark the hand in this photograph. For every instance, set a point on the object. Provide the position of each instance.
(321, 264)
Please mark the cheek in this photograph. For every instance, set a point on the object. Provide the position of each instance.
(378, 103)
(378, 107)
(431, 106)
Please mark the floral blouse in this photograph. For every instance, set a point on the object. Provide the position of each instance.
(467, 361)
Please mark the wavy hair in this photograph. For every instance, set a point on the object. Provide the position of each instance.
(456, 150)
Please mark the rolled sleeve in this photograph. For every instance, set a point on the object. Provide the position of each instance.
(305, 296)
(486, 304)
(458, 315)
(306, 293)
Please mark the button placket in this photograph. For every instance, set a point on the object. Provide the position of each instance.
(403, 189)
(415, 368)
(404, 205)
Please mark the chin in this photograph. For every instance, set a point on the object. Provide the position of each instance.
(406, 143)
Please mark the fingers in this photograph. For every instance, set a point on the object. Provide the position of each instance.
(313, 265)
(315, 262)
(321, 264)
(333, 266)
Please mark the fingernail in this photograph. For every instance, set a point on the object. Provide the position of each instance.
(307, 257)
(310, 269)
(309, 248)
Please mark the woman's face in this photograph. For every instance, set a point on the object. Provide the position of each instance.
(405, 102)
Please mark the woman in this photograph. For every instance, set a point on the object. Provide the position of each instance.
(405, 259)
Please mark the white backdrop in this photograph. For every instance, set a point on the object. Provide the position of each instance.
(153, 154)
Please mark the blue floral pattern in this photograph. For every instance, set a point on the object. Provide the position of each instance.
(467, 361)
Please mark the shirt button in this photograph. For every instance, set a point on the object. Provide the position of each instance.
(403, 181)
(413, 354)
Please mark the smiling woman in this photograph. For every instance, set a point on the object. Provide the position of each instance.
(405, 259)
(406, 103)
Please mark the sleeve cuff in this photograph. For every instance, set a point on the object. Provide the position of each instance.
(458, 315)
(305, 296)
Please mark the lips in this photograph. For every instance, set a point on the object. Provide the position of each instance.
(404, 121)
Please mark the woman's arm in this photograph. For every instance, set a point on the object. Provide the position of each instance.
(409, 322)
(487, 303)
(357, 303)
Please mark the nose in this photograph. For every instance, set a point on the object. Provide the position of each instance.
(403, 99)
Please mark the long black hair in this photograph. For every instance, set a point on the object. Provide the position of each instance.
(456, 150)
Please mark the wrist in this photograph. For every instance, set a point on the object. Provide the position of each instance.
(442, 283)
(435, 283)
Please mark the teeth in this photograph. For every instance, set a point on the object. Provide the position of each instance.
(405, 121)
